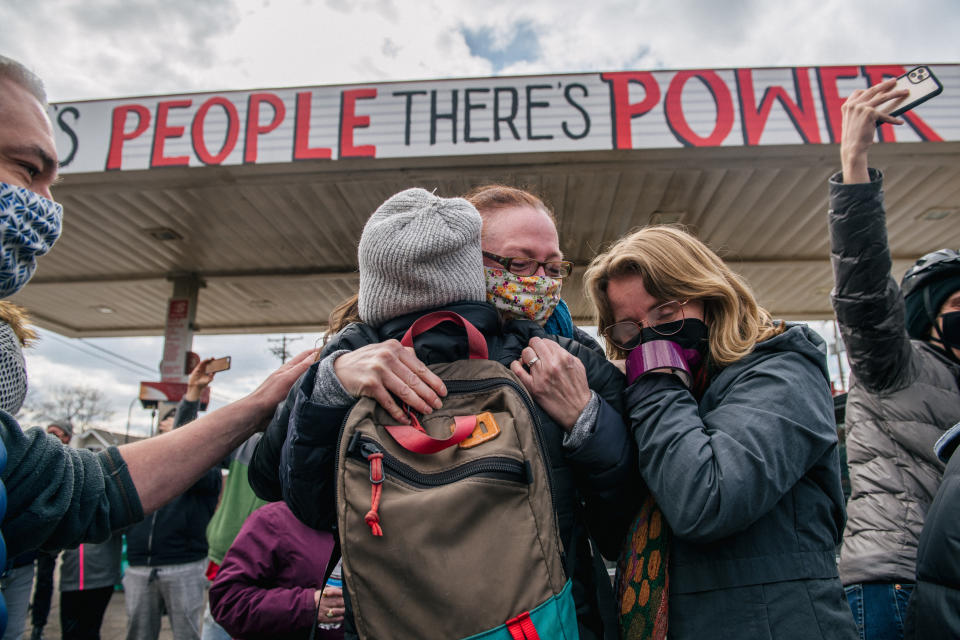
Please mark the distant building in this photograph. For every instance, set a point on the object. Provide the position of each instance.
(98, 439)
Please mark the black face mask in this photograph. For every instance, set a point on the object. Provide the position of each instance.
(693, 337)
(950, 334)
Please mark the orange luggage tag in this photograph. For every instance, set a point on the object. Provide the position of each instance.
(486, 429)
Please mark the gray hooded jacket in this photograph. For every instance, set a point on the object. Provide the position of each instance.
(749, 480)
(91, 565)
(904, 395)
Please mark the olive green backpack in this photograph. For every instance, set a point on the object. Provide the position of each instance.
(447, 526)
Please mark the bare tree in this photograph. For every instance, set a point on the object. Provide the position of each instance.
(83, 406)
(281, 350)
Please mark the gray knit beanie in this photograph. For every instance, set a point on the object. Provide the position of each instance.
(64, 425)
(419, 251)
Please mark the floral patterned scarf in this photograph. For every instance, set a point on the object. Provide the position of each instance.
(642, 582)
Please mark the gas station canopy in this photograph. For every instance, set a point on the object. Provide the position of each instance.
(256, 199)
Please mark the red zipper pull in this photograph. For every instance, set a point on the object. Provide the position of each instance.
(376, 484)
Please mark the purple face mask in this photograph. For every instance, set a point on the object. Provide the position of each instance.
(682, 351)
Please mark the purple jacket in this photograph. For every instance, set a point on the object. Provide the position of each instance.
(273, 548)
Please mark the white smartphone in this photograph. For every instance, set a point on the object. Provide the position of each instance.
(922, 85)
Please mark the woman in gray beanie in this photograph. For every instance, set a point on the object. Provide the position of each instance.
(420, 253)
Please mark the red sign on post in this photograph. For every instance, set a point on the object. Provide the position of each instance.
(177, 340)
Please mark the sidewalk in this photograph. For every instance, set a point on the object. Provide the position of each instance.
(114, 620)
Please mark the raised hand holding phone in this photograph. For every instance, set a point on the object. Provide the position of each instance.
(920, 85)
(202, 376)
(861, 115)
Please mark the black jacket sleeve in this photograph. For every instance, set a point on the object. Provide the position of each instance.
(186, 412)
(605, 464)
(716, 474)
(264, 472)
(866, 298)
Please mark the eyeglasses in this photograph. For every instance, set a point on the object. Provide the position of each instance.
(661, 319)
(529, 266)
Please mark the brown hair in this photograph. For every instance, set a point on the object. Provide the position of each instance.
(345, 313)
(674, 265)
(493, 197)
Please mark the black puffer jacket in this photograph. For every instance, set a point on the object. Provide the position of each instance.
(903, 397)
(596, 484)
(934, 609)
(177, 532)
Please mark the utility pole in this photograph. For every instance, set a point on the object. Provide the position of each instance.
(281, 350)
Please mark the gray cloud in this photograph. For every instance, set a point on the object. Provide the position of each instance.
(108, 48)
(389, 48)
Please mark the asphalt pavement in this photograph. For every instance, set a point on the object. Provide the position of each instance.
(114, 620)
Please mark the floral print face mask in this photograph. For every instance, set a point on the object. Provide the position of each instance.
(531, 297)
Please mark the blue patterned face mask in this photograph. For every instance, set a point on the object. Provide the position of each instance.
(29, 225)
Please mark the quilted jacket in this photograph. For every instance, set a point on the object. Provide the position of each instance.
(903, 396)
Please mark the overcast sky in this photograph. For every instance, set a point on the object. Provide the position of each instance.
(111, 48)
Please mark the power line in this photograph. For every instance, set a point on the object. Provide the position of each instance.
(117, 355)
(88, 353)
(80, 341)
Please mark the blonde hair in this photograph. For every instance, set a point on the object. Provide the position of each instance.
(19, 320)
(676, 266)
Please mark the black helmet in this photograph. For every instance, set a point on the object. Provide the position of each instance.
(932, 266)
(936, 276)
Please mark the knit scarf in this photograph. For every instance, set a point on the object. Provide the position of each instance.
(642, 581)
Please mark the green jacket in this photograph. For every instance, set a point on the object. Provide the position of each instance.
(237, 502)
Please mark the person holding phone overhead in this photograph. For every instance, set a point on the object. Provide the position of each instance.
(168, 550)
(904, 350)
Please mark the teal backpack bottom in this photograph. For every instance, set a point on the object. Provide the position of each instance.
(555, 619)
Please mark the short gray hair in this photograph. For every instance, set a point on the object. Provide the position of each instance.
(16, 72)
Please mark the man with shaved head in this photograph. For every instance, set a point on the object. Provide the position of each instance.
(79, 495)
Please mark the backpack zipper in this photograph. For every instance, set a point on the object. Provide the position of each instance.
(467, 386)
(499, 467)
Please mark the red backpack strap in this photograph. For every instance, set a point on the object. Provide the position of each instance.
(521, 628)
(478, 344)
(413, 438)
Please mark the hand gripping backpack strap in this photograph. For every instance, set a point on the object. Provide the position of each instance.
(412, 437)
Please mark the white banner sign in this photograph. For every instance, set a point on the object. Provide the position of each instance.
(583, 112)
